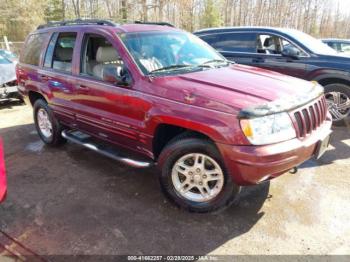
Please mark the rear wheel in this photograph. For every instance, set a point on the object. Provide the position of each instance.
(338, 101)
(46, 124)
(194, 177)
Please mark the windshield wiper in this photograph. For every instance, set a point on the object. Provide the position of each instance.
(169, 68)
(213, 61)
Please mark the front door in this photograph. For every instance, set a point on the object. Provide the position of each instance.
(269, 56)
(107, 110)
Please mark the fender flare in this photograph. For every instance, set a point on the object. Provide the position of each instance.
(343, 76)
(212, 133)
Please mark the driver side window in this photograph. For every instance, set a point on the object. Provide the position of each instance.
(98, 57)
(274, 45)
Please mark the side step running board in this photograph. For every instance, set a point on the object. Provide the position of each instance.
(87, 141)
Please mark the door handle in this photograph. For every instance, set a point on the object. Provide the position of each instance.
(189, 98)
(83, 88)
(44, 78)
(258, 60)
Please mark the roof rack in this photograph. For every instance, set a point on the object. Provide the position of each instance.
(154, 23)
(78, 22)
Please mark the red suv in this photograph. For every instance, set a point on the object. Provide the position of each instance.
(169, 99)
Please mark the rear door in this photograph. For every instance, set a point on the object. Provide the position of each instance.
(56, 74)
(239, 47)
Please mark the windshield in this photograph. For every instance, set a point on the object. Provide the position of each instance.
(7, 54)
(170, 52)
(315, 45)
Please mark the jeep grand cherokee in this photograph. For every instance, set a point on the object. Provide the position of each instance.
(169, 99)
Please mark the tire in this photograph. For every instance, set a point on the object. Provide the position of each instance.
(338, 95)
(224, 191)
(53, 138)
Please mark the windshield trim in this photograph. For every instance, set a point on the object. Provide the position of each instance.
(117, 34)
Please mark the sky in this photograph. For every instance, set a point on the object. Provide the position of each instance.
(343, 4)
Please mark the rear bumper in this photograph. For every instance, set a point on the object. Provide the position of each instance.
(3, 186)
(254, 164)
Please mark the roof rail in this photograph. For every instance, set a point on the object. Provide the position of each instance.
(78, 22)
(154, 23)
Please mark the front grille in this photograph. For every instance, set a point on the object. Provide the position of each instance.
(310, 117)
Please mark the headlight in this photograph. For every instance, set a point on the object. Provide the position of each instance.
(268, 129)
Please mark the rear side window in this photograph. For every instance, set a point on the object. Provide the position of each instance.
(49, 51)
(32, 50)
(344, 47)
(59, 54)
(232, 42)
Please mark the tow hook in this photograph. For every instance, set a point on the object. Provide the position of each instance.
(294, 170)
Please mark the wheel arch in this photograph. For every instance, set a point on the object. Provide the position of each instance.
(34, 96)
(333, 78)
(165, 132)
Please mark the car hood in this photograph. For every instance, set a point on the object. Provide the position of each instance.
(236, 87)
(8, 73)
(339, 61)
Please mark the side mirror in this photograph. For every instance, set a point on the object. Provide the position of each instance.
(291, 52)
(116, 75)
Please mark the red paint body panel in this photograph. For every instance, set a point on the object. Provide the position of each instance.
(255, 164)
(3, 185)
(130, 116)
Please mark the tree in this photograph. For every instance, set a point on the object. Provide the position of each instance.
(54, 10)
(124, 10)
(76, 6)
(211, 16)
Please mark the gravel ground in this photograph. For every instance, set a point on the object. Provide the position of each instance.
(72, 201)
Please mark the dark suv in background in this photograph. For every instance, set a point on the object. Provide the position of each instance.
(290, 52)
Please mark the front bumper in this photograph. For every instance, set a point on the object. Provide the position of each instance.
(254, 164)
(3, 186)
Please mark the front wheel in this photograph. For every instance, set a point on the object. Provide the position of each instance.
(47, 126)
(194, 177)
(338, 101)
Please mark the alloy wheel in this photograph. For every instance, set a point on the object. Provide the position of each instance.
(197, 177)
(44, 123)
(338, 105)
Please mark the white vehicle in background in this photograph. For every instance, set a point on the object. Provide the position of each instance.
(9, 55)
(8, 81)
(340, 45)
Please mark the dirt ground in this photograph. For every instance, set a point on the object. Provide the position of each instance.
(72, 201)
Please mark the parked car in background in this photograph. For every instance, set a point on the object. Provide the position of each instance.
(3, 186)
(9, 55)
(290, 52)
(163, 96)
(8, 81)
(340, 45)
